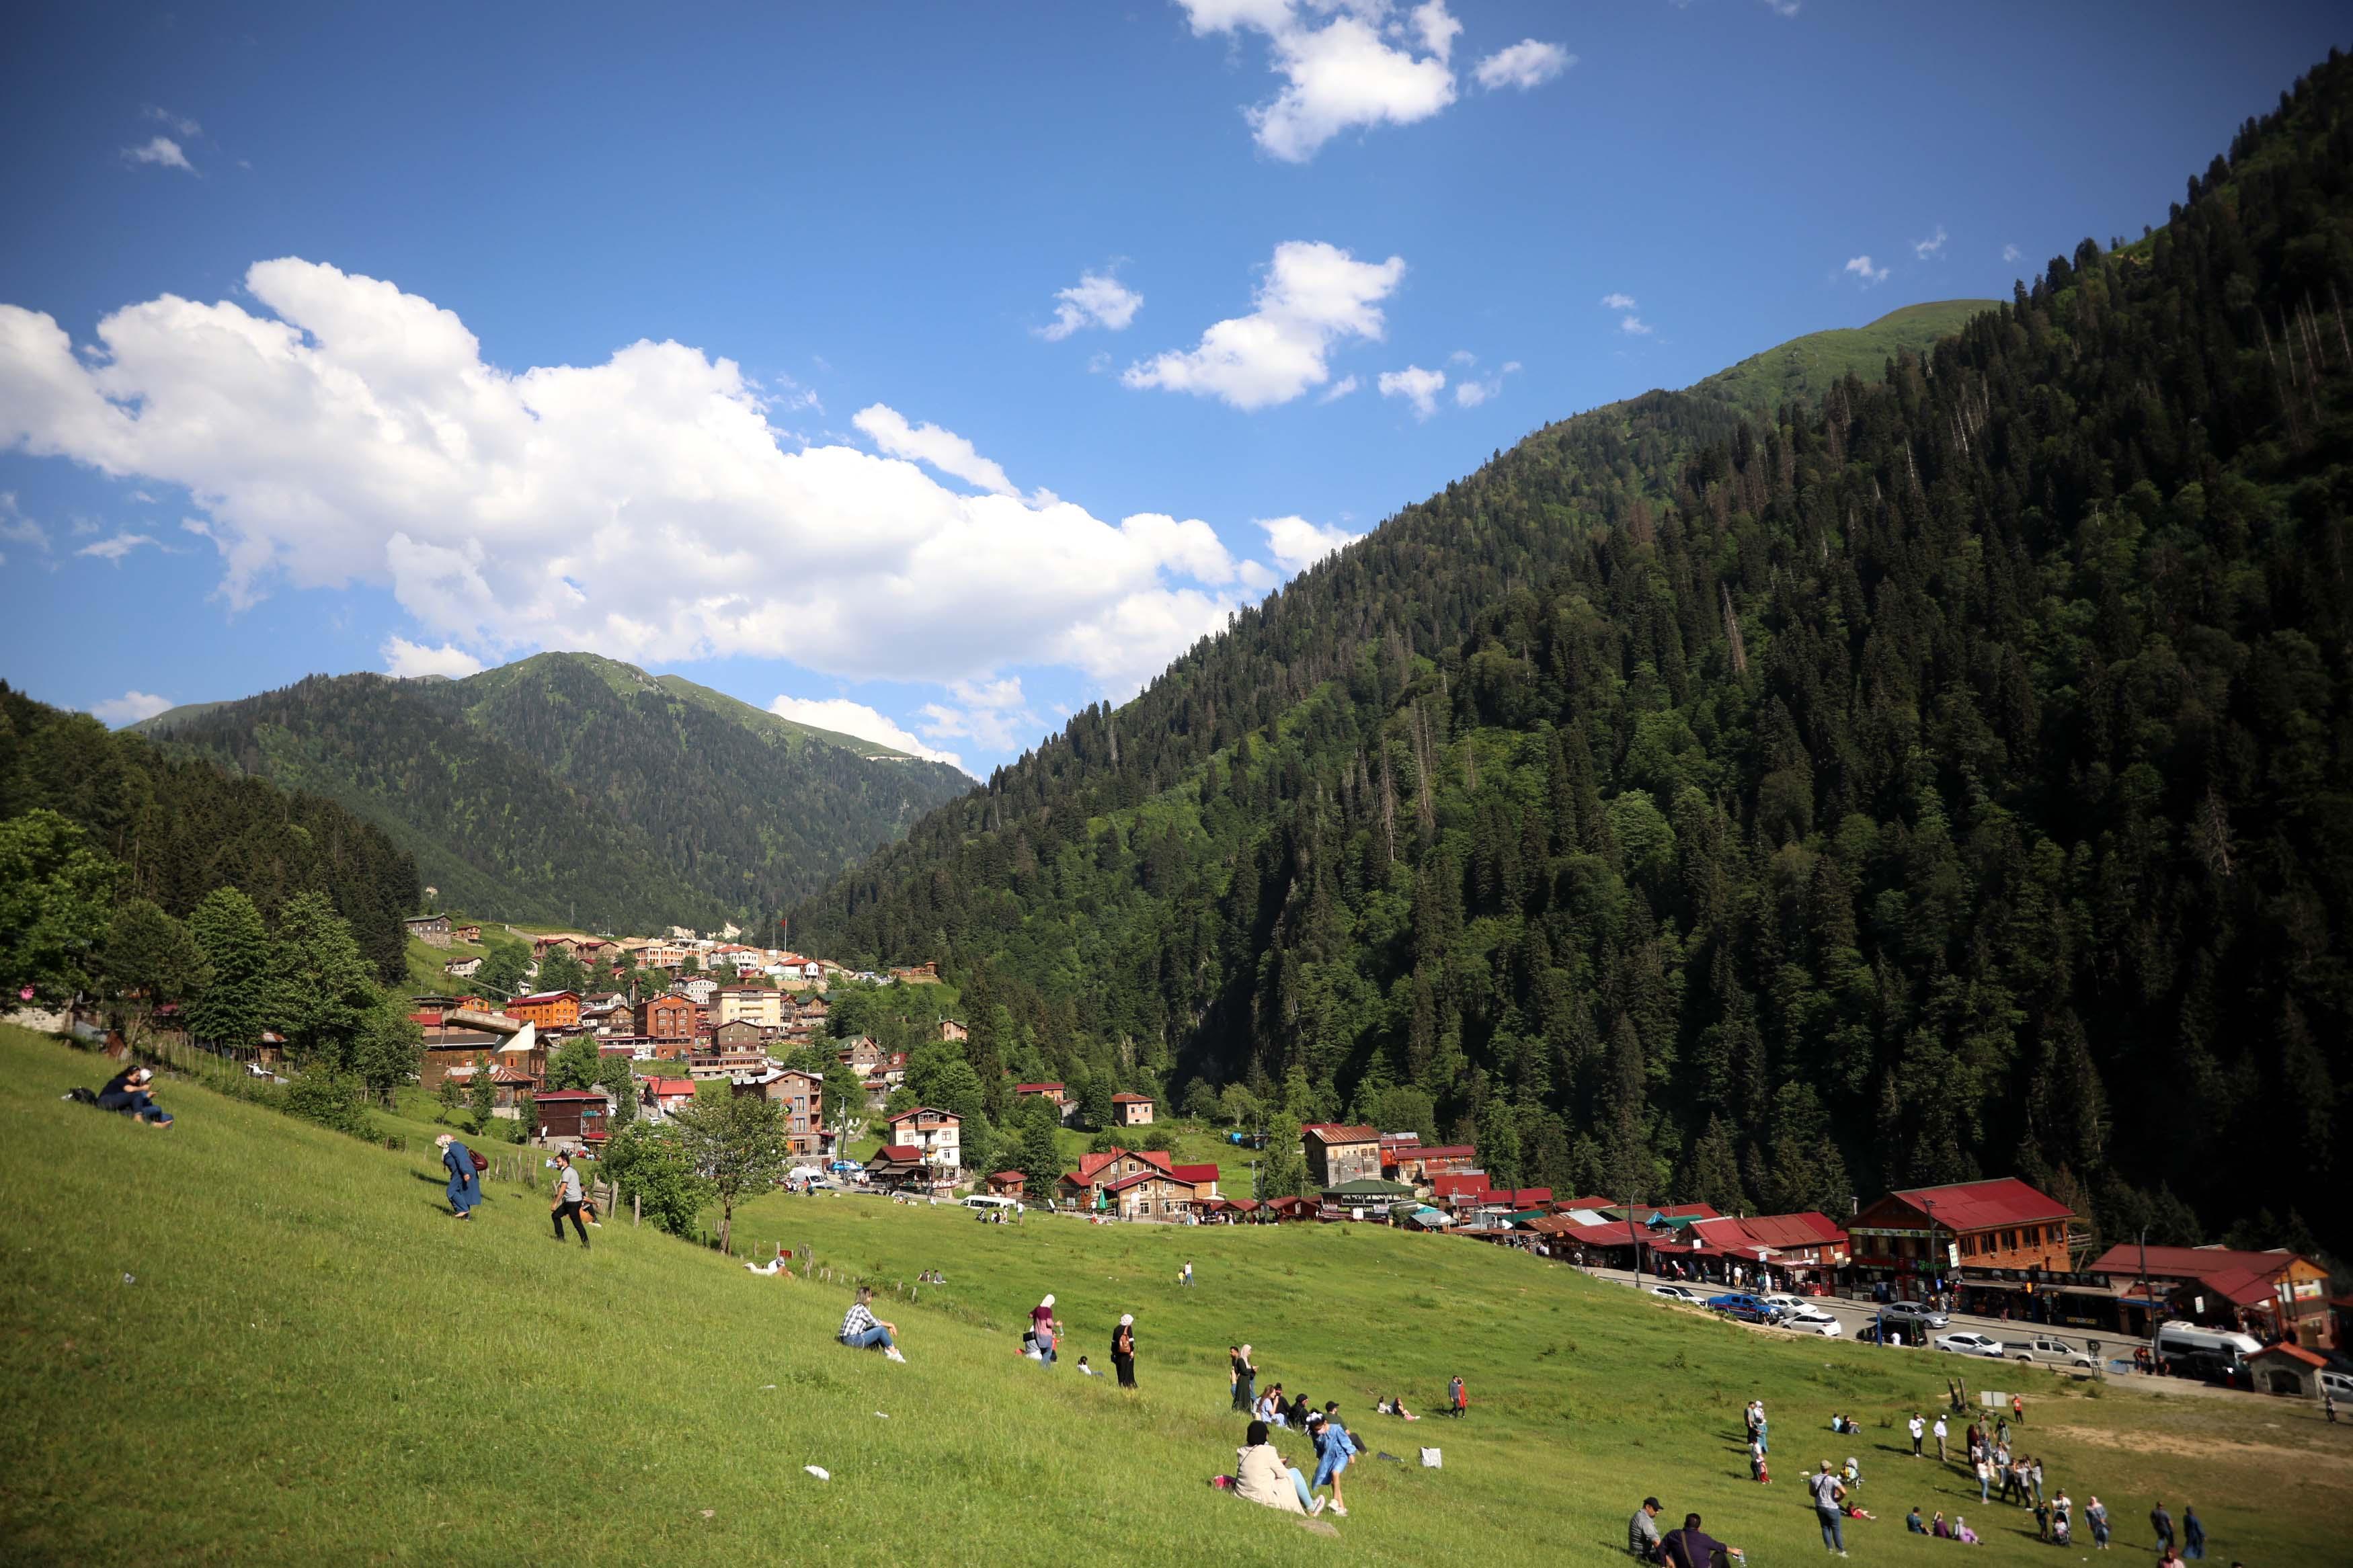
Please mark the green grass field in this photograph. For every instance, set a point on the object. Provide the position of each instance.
(312, 1363)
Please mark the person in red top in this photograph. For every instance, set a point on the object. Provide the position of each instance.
(1460, 1399)
(1043, 1327)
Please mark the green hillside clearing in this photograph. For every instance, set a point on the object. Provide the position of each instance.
(310, 1362)
(1808, 367)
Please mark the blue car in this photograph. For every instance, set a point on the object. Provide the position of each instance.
(1745, 1307)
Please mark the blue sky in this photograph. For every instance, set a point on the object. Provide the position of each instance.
(935, 369)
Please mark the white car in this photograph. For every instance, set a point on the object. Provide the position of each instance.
(1811, 1321)
(1786, 1304)
(1677, 1293)
(1970, 1344)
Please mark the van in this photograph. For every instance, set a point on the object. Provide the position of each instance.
(2204, 1353)
(981, 1202)
(2335, 1382)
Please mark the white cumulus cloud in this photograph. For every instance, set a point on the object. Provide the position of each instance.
(992, 715)
(1529, 63)
(1616, 301)
(160, 151)
(408, 661)
(333, 429)
(844, 716)
(129, 708)
(1634, 326)
(1418, 386)
(1471, 393)
(1096, 300)
(179, 124)
(945, 450)
(1862, 267)
(2011, 253)
(1313, 296)
(1358, 67)
(1296, 544)
(1339, 389)
(1924, 248)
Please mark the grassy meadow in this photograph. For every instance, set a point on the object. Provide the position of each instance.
(311, 1361)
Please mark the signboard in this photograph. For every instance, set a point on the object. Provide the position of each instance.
(1952, 1255)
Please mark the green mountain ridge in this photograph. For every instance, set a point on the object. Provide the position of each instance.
(1769, 801)
(1810, 366)
(574, 788)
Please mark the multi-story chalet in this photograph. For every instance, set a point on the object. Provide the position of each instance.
(733, 1064)
(952, 1031)
(860, 1054)
(699, 987)
(1053, 1094)
(1149, 1195)
(547, 1009)
(938, 1133)
(463, 968)
(800, 1096)
(1930, 1231)
(431, 930)
(466, 933)
(1415, 1163)
(756, 1003)
(1338, 1154)
(1130, 1110)
(669, 1017)
(1098, 1173)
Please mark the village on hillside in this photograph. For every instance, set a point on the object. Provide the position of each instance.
(754, 1019)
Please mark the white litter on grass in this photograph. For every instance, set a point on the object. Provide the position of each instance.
(880, 1416)
(819, 1471)
(130, 1280)
(767, 1387)
(710, 1513)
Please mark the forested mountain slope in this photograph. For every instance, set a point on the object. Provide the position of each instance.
(1949, 778)
(578, 789)
(183, 827)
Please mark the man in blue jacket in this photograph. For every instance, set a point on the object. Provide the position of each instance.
(465, 1182)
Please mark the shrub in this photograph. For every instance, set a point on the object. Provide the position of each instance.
(330, 1099)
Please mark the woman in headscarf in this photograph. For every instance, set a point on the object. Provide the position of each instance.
(1043, 1327)
(1123, 1350)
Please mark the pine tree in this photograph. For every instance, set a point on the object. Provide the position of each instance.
(237, 1000)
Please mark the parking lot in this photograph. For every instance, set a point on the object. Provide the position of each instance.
(1855, 1316)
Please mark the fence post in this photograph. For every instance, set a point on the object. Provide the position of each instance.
(636, 1208)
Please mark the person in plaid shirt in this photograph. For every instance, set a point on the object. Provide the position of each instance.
(860, 1330)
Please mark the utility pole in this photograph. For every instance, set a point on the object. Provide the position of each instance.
(2148, 1314)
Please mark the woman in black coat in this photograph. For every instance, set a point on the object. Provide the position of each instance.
(1123, 1350)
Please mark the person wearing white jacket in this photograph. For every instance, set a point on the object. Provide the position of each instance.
(1260, 1476)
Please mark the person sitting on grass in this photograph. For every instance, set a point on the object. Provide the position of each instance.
(1086, 1371)
(126, 1091)
(862, 1330)
(1691, 1547)
(1396, 1407)
(1642, 1531)
(1913, 1524)
(1261, 1477)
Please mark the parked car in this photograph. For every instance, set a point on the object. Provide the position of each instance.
(1874, 1334)
(1747, 1308)
(2043, 1348)
(1966, 1344)
(1914, 1315)
(1676, 1292)
(1786, 1302)
(1812, 1320)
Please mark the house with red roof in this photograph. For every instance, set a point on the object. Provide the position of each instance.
(1149, 1195)
(938, 1134)
(1006, 1183)
(1998, 1223)
(1338, 1154)
(2267, 1294)
(1130, 1110)
(1202, 1179)
(899, 1165)
(2287, 1368)
(1097, 1172)
(1416, 1162)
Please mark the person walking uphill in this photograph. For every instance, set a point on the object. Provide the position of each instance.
(1123, 1350)
(1829, 1492)
(568, 1199)
(465, 1182)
